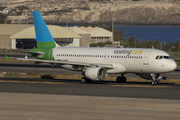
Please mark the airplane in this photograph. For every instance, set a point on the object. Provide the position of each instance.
(96, 63)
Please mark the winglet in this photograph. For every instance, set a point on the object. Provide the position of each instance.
(7, 58)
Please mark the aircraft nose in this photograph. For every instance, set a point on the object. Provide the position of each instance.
(172, 66)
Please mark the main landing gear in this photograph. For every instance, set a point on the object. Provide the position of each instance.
(85, 80)
(121, 79)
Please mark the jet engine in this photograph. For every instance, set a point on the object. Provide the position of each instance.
(95, 73)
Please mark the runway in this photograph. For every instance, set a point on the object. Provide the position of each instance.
(104, 88)
(39, 99)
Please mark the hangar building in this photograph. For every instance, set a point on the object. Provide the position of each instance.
(96, 34)
(21, 36)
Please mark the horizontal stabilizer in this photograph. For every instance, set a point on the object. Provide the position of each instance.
(36, 53)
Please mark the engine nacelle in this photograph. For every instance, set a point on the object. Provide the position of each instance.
(145, 76)
(96, 73)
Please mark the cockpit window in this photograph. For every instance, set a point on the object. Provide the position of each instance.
(161, 57)
(166, 57)
(157, 57)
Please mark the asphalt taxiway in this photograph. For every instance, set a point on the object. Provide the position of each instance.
(96, 88)
(47, 99)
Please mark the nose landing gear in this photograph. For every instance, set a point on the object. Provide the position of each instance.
(157, 78)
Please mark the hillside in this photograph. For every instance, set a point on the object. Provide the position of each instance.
(123, 11)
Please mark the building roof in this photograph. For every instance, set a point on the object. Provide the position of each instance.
(56, 31)
(12, 29)
(18, 31)
(77, 30)
(94, 31)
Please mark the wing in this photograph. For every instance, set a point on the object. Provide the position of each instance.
(108, 66)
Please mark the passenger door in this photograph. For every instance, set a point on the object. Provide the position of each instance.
(146, 58)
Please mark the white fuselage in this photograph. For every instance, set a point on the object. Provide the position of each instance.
(123, 60)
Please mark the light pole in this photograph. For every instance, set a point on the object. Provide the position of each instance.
(67, 20)
(112, 29)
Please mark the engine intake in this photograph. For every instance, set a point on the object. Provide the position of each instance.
(96, 73)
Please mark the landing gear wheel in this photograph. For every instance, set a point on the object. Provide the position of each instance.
(154, 82)
(123, 79)
(85, 80)
(118, 79)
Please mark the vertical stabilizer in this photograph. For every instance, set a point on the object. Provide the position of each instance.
(44, 38)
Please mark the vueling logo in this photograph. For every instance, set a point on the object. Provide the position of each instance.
(137, 52)
(128, 52)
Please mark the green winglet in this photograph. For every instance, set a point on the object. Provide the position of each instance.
(7, 58)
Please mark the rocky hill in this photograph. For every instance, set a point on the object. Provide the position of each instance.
(100, 11)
